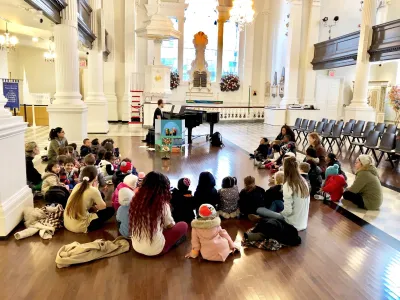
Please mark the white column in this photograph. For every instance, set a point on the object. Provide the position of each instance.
(68, 110)
(223, 15)
(181, 41)
(359, 108)
(109, 65)
(265, 57)
(96, 99)
(313, 34)
(247, 63)
(292, 65)
(157, 52)
(15, 195)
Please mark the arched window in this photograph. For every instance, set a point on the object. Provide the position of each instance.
(230, 54)
(169, 50)
(201, 16)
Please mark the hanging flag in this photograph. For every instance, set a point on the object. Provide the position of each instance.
(11, 92)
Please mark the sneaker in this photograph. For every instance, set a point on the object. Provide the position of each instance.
(254, 218)
(318, 197)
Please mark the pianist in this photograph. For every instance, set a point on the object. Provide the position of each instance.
(158, 112)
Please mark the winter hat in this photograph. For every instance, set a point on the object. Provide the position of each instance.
(131, 180)
(183, 184)
(332, 170)
(207, 211)
(365, 160)
(125, 167)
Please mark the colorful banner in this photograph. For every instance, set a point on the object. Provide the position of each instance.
(11, 92)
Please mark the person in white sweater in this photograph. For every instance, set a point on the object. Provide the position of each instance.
(296, 196)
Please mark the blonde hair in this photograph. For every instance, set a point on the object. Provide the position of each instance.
(305, 167)
(279, 177)
(316, 137)
(293, 177)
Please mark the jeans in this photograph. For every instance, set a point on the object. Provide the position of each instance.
(355, 198)
(266, 213)
(103, 215)
(174, 235)
(277, 206)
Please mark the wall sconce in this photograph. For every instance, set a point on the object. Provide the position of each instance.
(335, 20)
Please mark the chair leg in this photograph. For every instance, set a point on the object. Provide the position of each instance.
(366, 152)
(374, 154)
(338, 144)
(361, 149)
(391, 160)
(352, 150)
(380, 158)
(330, 145)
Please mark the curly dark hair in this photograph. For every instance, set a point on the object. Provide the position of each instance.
(147, 206)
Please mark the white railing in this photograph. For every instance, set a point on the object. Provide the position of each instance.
(234, 112)
(137, 82)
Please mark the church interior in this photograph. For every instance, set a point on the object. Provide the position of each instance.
(200, 149)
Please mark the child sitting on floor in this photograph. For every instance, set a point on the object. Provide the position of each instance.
(71, 173)
(106, 166)
(205, 191)
(95, 147)
(270, 161)
(61, 159)
(331, 160)
(122, 202)
(52, 186)
(86, 148)
(315, 174)
(182, 202)
(125, 168)
(304, 169)
(274, 195)
(251, 197)
(208, 238)
(229, 198)
(100, 155)
(90, 160)
(261, 152)
(334, 185)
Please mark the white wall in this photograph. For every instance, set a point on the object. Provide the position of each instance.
(40, 74)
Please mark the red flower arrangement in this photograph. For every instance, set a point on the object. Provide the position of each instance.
(229, 83)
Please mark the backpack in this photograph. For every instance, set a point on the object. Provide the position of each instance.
(57, 194)
(216, 140)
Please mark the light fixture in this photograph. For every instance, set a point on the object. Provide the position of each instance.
(242, 13)
(50, 55)
(35, 39)
(8, 42)
(335, 20)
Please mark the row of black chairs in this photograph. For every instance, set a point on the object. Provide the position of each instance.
(355, 133)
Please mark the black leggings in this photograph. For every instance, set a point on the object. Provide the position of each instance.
(103, 216)
(355, 198)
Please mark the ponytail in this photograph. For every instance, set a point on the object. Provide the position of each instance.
(53, 133)
(74, 207)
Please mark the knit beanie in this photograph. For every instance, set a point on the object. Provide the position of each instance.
(332, 170)
(183, 184)
(131, 180)
(125, 167)
(207, 211)
(365, 160)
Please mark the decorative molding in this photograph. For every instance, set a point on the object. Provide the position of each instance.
(86, 36)
(50, 8)
(337, 52)
(385, 41)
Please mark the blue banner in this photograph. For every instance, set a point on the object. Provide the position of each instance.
(11, 92)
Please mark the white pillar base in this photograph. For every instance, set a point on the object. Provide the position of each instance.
(112, 104)
(15, 195)
(363, 112)
(97, 114)
(287, 101)
(72, 118)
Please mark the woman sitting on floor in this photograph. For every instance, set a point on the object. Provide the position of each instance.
(315, 143)
(295, 195)
(57, 140)
(285, 130)
(33, 177)
(366, 191)
(153, 229)
(85, 198)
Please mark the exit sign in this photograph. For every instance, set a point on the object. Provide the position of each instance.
(331, 73)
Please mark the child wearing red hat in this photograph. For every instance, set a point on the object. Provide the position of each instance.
(208, 237)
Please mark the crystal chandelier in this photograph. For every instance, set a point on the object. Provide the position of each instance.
(242, 13)
(50, 55)
(8, 42)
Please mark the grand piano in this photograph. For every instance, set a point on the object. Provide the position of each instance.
(193, 118)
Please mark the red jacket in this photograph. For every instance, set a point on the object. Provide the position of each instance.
(334, 186)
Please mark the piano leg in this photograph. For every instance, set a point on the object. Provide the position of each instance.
(211, 129)
(190, 135)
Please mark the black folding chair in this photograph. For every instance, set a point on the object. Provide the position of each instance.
(347, 130)
(324, 120)
(352, 121)
(357, 132)
(302, 128)
(372, 143)
(391, 128)
(327, 132)
(380, 127)
(296, 124)
(310, 128)
(333, 122)
(320, 127)
(366, 131)
(387, 147)
(369, 124)
(359, 144)
(335, 136)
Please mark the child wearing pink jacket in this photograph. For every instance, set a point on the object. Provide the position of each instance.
(208, 238)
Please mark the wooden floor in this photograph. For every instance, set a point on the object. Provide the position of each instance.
(337, 259)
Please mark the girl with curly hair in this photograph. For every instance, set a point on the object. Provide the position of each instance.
(151, 224)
